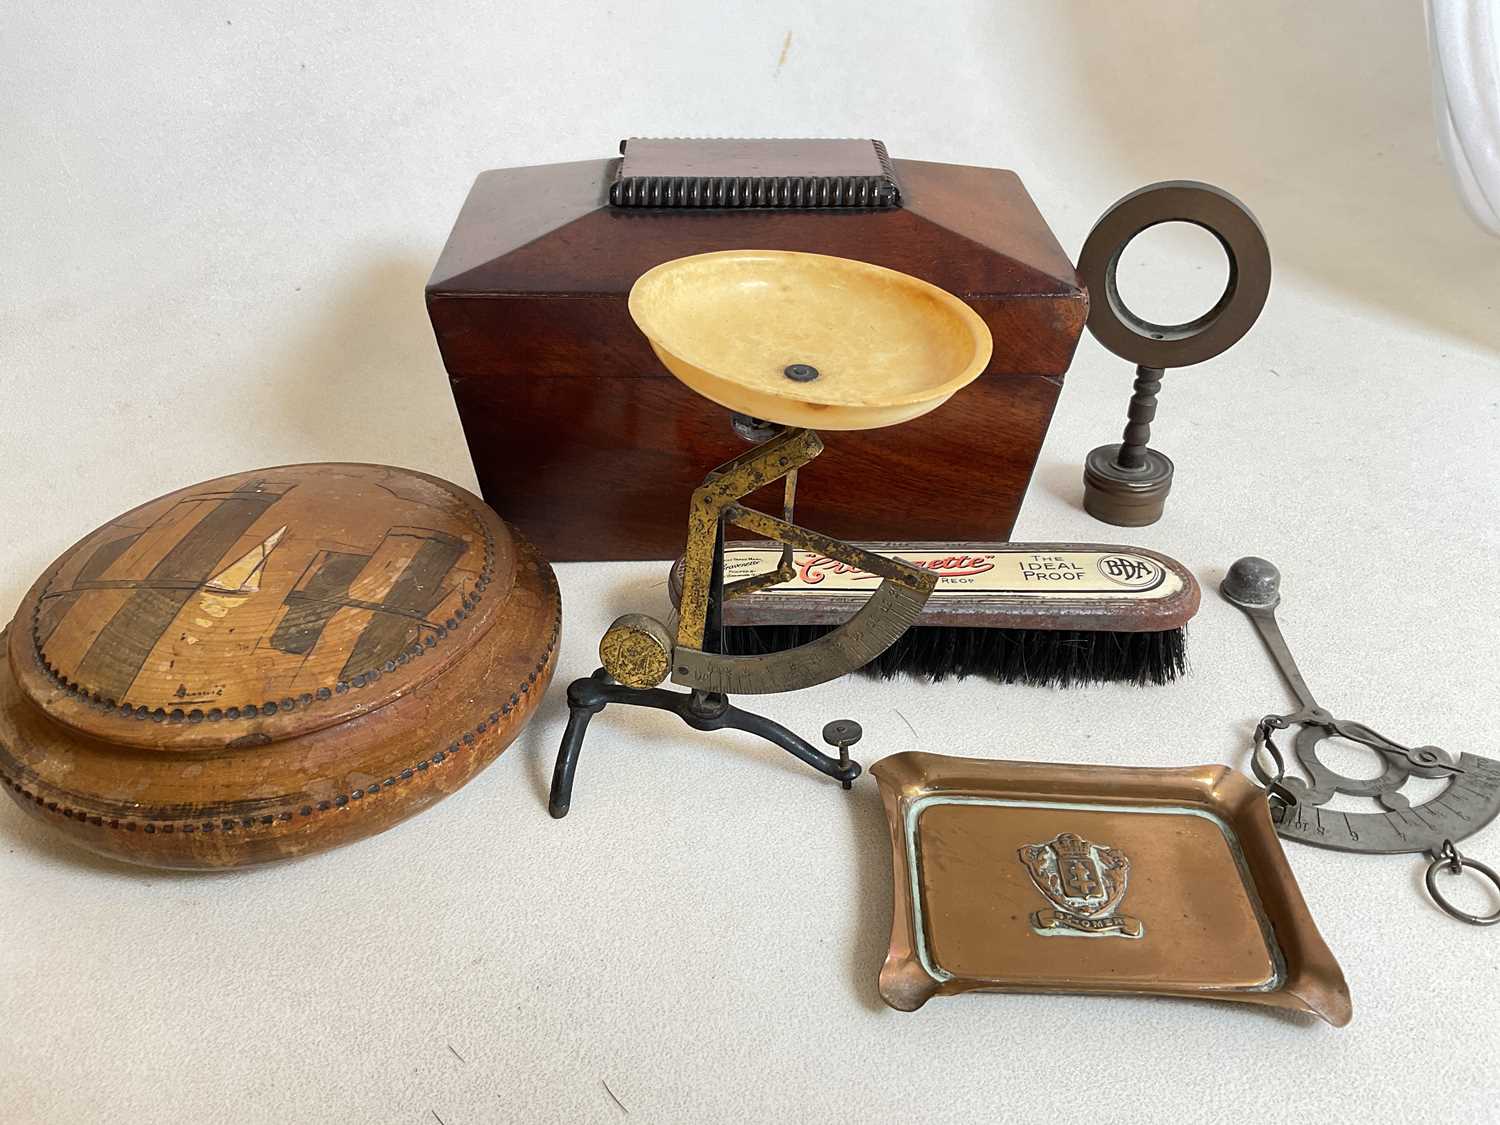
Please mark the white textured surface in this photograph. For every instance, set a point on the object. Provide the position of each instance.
(216, 224)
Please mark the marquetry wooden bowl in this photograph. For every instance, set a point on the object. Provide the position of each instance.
(271, 664)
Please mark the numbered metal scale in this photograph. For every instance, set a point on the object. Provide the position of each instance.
(1469, 801)
(787, 341)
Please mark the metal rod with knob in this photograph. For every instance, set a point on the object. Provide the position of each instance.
(843, 733)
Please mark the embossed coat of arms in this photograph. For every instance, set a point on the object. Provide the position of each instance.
(1085, 883)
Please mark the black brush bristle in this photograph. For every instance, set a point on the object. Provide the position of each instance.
(1047, 657)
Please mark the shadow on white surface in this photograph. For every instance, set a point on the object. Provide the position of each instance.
(1318, 116)
(13, 588)
(872, 892)
(1064, 481)
(354, 385)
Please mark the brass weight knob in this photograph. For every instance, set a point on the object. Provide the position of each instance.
(637, 651)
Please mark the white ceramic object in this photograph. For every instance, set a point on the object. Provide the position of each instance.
(1464, 39)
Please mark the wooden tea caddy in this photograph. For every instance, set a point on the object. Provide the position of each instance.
(270, 664)
(588, 446)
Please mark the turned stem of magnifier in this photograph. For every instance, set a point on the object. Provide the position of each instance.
(1142, 411)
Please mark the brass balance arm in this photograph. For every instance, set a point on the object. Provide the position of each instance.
(773, 460)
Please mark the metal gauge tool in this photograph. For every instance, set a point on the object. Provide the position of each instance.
(785, 341)
(1469, 801)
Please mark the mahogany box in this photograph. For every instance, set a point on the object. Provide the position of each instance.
(582, 440)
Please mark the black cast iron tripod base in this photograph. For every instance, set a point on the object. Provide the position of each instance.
(700, 710)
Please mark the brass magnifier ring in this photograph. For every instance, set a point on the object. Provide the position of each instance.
(1453, 861)
(1175, 345)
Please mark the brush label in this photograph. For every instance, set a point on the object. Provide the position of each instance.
(1131, 571)
(1096, 574)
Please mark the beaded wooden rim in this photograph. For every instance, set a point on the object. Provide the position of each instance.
(29, 790)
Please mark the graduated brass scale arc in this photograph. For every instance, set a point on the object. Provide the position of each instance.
(784, 340)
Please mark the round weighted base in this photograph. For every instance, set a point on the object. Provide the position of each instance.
(1125, 497)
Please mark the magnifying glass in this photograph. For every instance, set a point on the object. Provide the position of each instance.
(1126, 483)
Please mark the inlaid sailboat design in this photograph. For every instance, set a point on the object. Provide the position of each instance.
(243, 575)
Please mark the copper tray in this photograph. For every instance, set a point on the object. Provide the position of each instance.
(1031, 877)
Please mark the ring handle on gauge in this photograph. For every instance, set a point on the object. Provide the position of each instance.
(1454, 862)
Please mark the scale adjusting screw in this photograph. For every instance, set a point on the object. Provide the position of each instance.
(637, 651)
(800, 372)
(843, 733)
